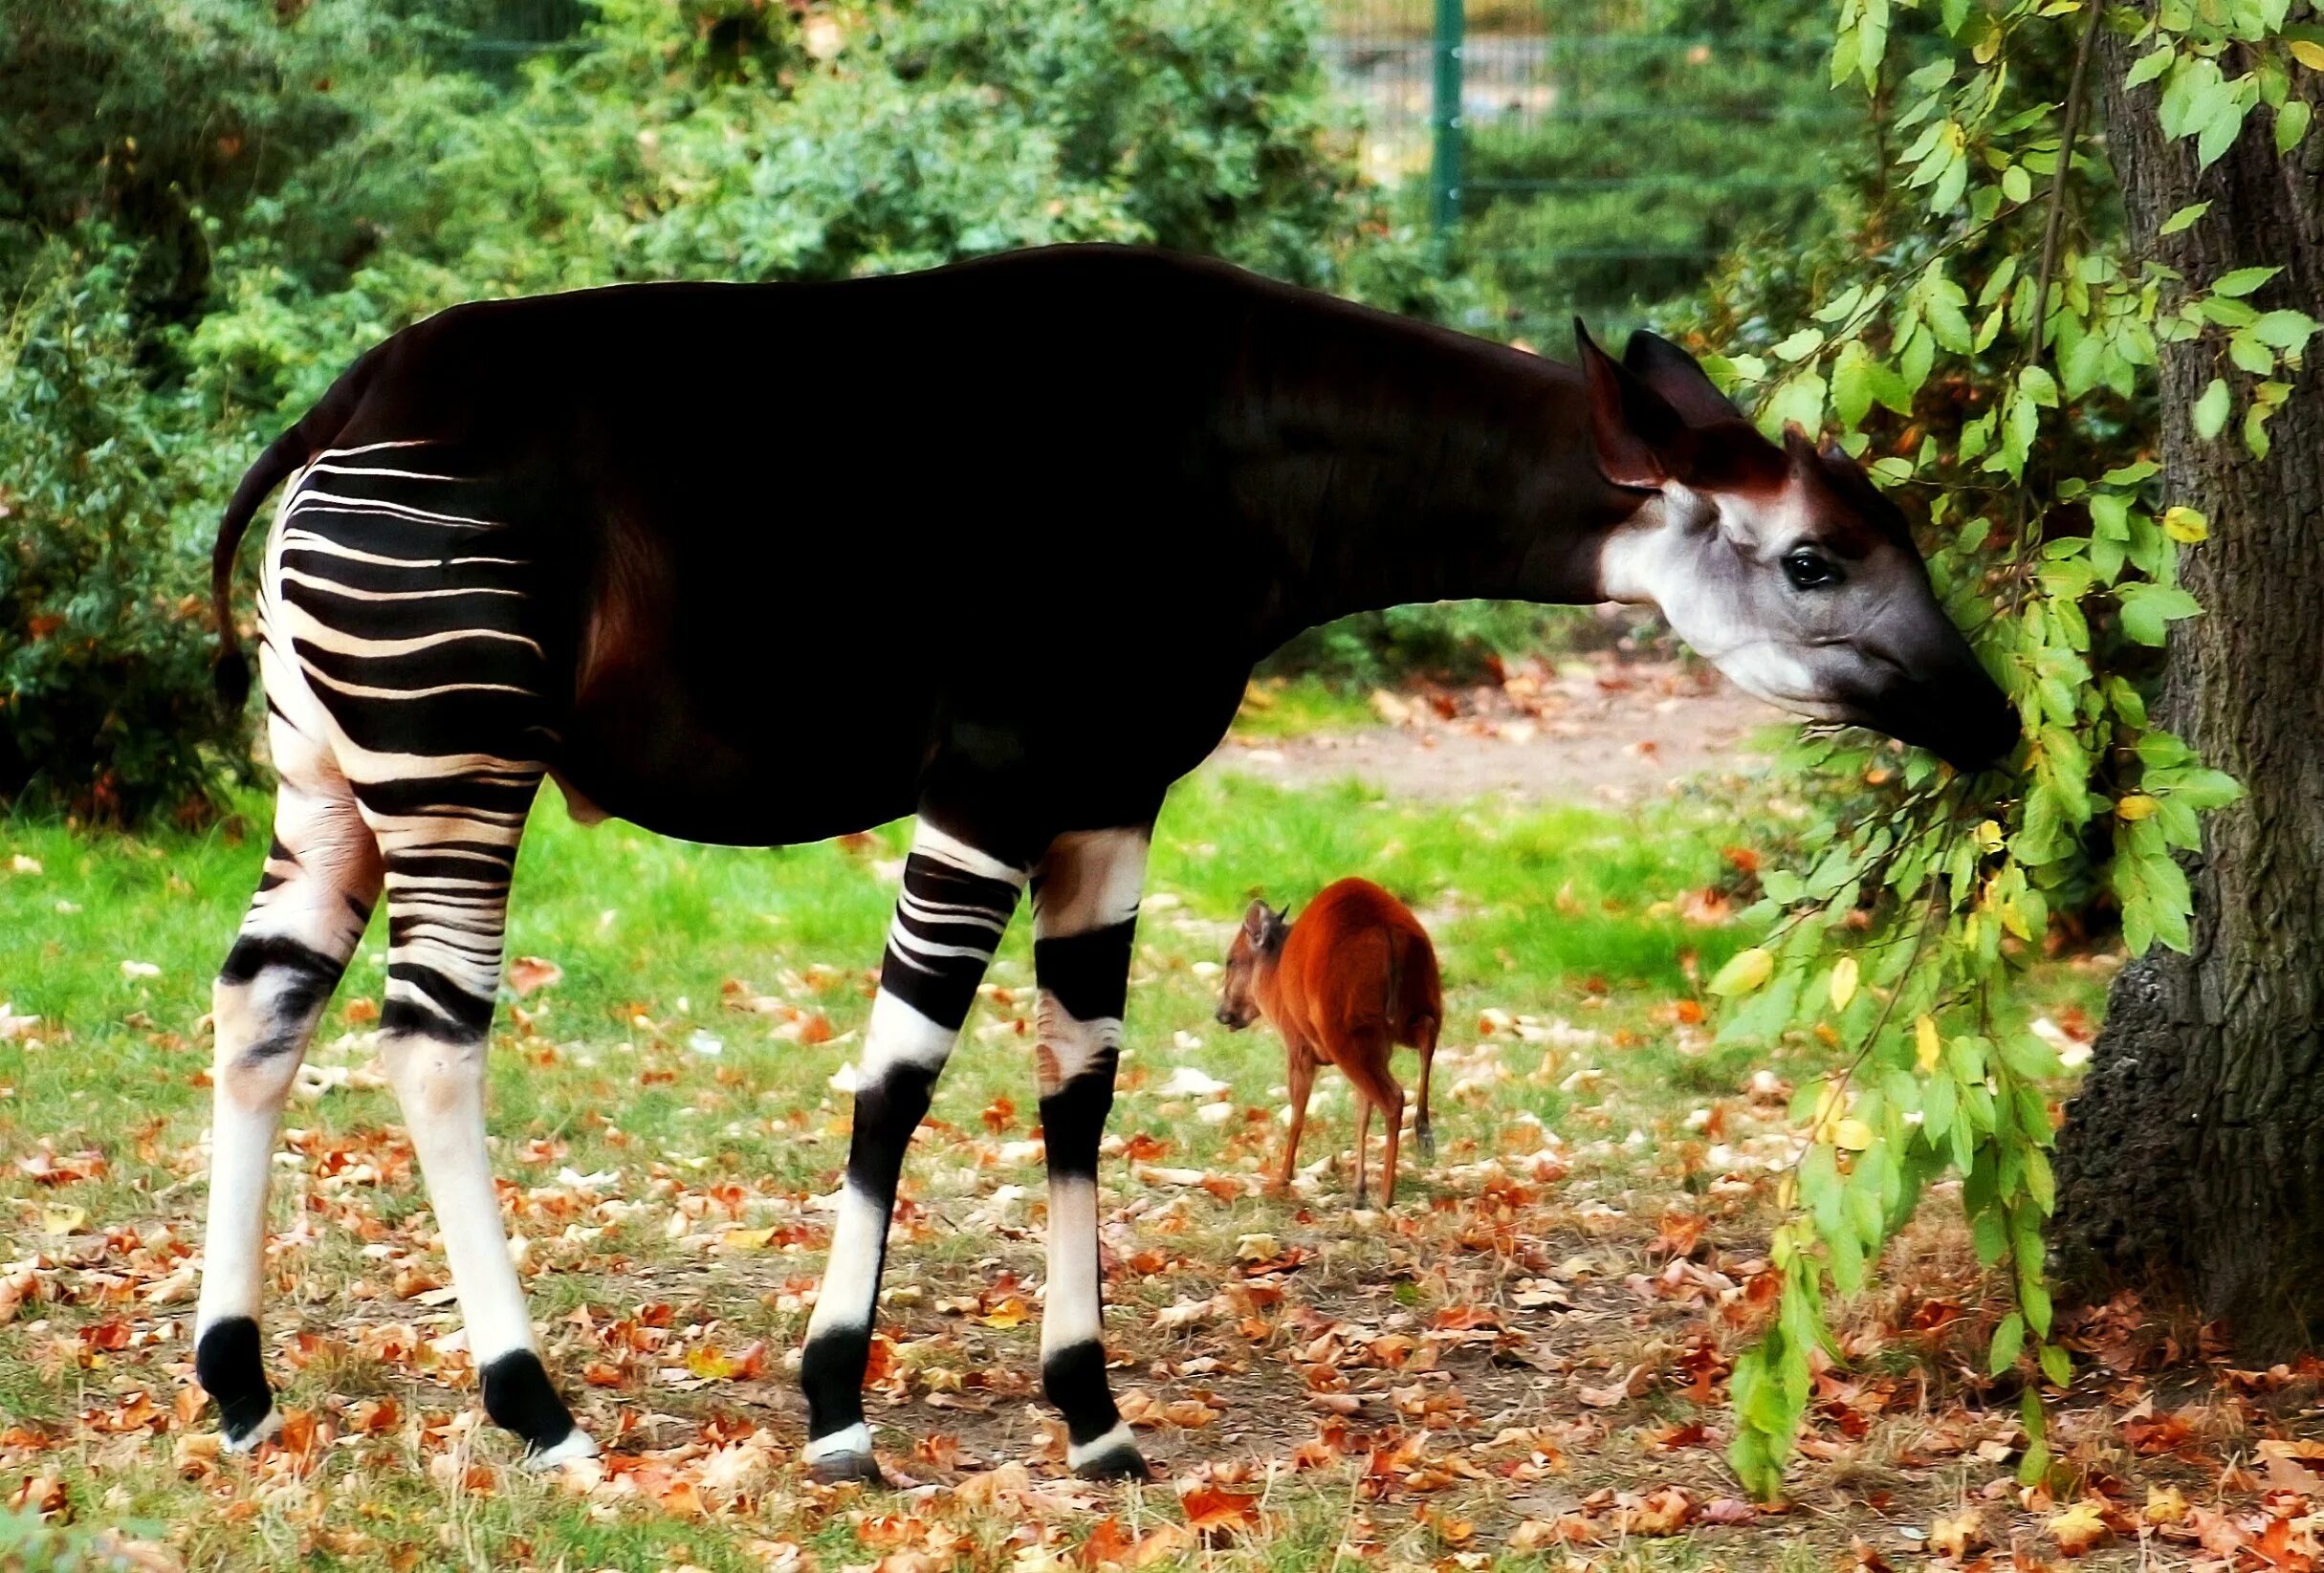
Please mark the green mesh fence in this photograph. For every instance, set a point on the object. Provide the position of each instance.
(1594, 156)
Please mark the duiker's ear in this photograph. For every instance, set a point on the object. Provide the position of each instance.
(1256, 919)
(1679, 377)
(1639, 439)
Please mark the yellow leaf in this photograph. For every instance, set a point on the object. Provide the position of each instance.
(1853, 1135)
(1843, 982)
(2309, 53)
(2164, 1505)
(1745, 971)
(2134, 807)
(1257, 1248)
(1989, 837)
(747, 1239)
(2013, 918)
(1927, 1046)
(63, 1220)
(1831, 1106)
(2185, 524)
(2078, 1529)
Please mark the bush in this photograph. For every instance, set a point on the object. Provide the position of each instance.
(209, 209)
(105, 702)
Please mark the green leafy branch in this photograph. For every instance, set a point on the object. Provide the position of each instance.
(2005, 392)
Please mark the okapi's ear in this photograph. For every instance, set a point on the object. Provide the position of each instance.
(1256, 920)
(1679, 377)
(1640, 440)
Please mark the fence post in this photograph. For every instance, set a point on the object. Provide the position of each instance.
(1445, 119)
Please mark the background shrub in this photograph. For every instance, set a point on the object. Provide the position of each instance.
(209, 209)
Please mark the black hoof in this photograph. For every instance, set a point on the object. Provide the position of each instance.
(1122, 1463)
(228, 1366)
(1428, 1144)
(842, 1468)
(519, 1396)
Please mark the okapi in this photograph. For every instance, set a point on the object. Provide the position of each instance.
(1030, 520)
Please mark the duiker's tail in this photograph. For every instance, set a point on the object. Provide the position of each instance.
(283, 458)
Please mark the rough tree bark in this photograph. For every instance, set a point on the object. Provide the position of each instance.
(2195, 1154)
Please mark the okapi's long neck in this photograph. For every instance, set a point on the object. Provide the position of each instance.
(1386, 463)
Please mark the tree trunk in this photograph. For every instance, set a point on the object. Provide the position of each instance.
(2195, 1154)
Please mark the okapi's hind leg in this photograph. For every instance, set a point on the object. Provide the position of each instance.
(1085, 921)
(957, 902)
(321, 879)
(449, 845)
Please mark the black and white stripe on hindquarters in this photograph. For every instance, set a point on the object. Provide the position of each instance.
(955, 905)
(389, 585)
(1084, 917)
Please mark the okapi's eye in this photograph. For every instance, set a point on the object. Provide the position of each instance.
(1809, 572)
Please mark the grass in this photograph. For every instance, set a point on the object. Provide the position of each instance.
(661, 1151)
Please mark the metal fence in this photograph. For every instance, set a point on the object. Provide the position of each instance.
(1577, 156)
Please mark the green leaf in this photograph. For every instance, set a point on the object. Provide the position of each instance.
(2009, 1339)
(2148, 67)
(2243, 281)
(2057, 1364)
(2210, 413)
(1745, 972)
(2185, 217)
(2148, 609)
(2286, 331)
(2292, 123)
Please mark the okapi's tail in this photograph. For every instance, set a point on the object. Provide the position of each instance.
(282, 459)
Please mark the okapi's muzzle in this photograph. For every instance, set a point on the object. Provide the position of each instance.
(1942, 699)
(1969, 737)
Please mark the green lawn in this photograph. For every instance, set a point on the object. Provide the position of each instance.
(664, 1117)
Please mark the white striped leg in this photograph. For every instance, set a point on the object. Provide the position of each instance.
(321, 877)
(956, 905)
(450, 846)
(1085, 921)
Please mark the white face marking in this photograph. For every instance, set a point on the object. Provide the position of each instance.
(1709, 566)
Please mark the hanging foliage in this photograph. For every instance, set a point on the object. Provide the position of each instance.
(1988, 344)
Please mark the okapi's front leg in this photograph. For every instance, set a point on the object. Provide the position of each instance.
(1084, 919)
(956, 903)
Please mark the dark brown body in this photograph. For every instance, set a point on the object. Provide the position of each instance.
(1351, 979)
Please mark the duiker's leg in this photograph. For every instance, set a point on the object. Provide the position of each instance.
(1299, 1070)
(1376, 1085)
(321, 877)
(1085, 920)
(1425, 1030)
(450, 847)
(957, 902)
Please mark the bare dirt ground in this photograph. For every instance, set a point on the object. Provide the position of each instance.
(1590, 731)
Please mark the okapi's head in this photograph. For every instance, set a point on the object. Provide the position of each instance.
(1785, 566)
(1258, 944)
